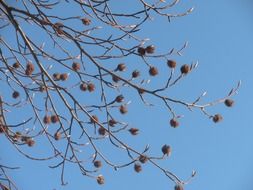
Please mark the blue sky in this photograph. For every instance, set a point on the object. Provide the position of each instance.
(220, 39)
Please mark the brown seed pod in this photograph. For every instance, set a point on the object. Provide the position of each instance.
(57, 76)
(123, 109)
(112, 122)
(30, 142)
(141, 51)
(121, 67)
(141, 90)
(143, 159)
(135, 74)
(100, 180)
(101, 131)
(47, 119)
(185, 69)
(137, 167)
(217, 118)
(55, 118)
(94, 119)
(97, 164)
(153, 71)
(83, 87)
(64, 76)
(115, 78)
(15, 94)
(57, 136)
(174, 123)
(171, 63)
(166, 149)
(86, 21)
(91, 87)
(134, 131)
(150, 49)
(119, 98)
(229, 102)
(76, 66)
(16, 65)
(178, 187)
(29, 68)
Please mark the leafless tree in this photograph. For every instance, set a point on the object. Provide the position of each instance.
(72, 76)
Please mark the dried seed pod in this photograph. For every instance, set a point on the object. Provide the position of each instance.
(178, 187)
(174, 123)
(57, 76)
(185, 69)
(137, 167)
(153, 71)
(112, 122)
(229, 102)
(15, 94)
(47, 119)
(55, 118)
(135, 74)
(121, 67)
(86, 21)
(16, 65)
(141, 51)
(94, 119)
(166, 149)
(119, 98)
(123, 109)
(115, 78)
(91, 87)
(150, 49)
(64, 76)
(143, 159)
(76, 66)
(171, 63)
(30, 142)
(83, 87)
(217, 118)
(29, 68)
(97, 164)
(100, 180)
(57, 136)
(141, 90)
(134, 131)
(101, 131)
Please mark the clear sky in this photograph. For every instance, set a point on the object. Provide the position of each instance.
(220, 39)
